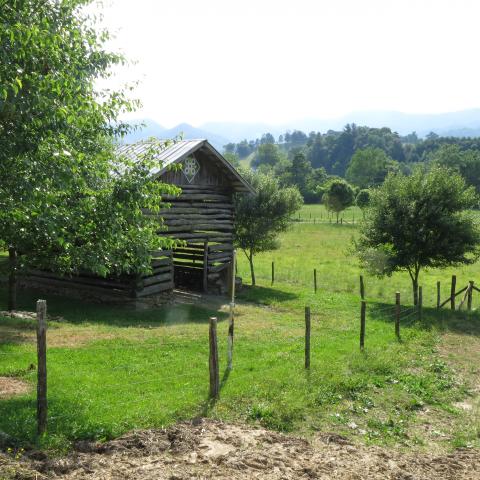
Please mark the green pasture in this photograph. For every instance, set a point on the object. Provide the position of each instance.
(113, 368)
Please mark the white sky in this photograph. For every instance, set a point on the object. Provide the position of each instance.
(280, 60)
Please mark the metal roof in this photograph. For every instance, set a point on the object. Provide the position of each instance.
(170, 152)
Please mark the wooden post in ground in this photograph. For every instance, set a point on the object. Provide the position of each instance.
(315, 280)
(273, 273)
(307, 337)
(231, 323)
(42, 367)
(362, 288)
(213, 360)
(363, 311)
(205, 267)
(12, 279)
(438, 295)
(420, 302)
(397, 315)
(452, 292)
(470, 292)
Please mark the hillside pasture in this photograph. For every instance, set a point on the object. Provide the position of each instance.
(114, 368)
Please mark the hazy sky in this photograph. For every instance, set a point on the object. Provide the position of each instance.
(278, 61)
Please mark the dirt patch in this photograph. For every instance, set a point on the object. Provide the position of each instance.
(209, 449)
(9, 387)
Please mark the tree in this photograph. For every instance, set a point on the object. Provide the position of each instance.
(465, 162)
(338, 195)
(66, 203)
(369, 167)
(419, 221)
(260, 217)
(267, 154)
(363, 200)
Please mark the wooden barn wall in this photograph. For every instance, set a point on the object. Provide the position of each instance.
(203, 217)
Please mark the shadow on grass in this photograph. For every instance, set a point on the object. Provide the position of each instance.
(116, 315)
(443, 320)
(265, 295)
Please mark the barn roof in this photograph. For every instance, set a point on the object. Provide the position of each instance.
(177, 151)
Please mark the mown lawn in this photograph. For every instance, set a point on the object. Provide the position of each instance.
(114, 368)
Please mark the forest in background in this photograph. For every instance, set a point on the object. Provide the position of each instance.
(359, 154)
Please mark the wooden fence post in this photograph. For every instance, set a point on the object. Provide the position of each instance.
(397, 315)
(231, 323)
(438, 295)
(363, 311)
(213, 360)
(470, 292)
(273, 272)
(420, 302)
(42, 367)
(362, 288)
(205, 267)
(307, 337)
(315, 280)
(452, 292)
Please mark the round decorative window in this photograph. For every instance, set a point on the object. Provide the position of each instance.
(190, 168)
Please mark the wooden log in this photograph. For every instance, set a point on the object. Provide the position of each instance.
(42, 406)
(224, 259)
(470, 292)
(218, 268)
(188, 256)
(213, 360)
(397, 315)
(153, 289)
(363, 311)
(80, 283)
(362, 288)
(198, 228)
(198, 197)
(438, 295)
(220, 256)
(163, 277)
(273, 273)
(307, 337)
(452, 292)
(221, 247)
(205, 269)
(203, 205)
(161, 262)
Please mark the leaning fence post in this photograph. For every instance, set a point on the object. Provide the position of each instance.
(231, 323)
(452, 292)
(397, 315)
(470, 292)
(362, 288)
(420, 303)
(307, 337)
(363, 311)
(315, 280)
(42, 367)
(438, 295)
(213, 360)
(273, 272)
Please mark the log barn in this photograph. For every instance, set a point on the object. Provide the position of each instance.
(202, 216)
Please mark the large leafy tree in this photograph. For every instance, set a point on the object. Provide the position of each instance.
(419, 221)
(369, 167)
(65, 202)
(338, 195)
(260, 217)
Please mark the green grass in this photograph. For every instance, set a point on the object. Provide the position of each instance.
(114, 368)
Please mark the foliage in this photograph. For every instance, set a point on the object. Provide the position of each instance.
(66, 203)
(369, 167)
(419, 221)
(338, 196)
(267, 154)
(260, 217)
(362, 199)
(465, 162)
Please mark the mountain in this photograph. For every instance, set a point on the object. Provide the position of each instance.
(154, 129)
(461, 123)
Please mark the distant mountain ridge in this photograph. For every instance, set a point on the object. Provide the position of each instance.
(465, 123)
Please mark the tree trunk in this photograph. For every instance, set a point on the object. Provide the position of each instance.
(415, 291)
(12, 279)
(252, 271)
(337, 216)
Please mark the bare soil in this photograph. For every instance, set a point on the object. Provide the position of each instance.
(10, 386)
(208, 449)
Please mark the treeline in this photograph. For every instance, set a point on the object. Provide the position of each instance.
(360, 154)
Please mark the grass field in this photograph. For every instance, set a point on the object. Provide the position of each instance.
(114, 368)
